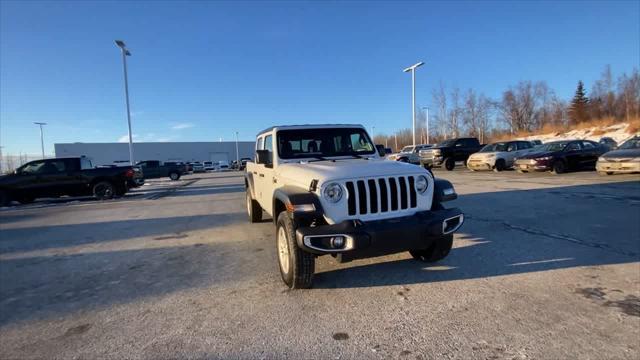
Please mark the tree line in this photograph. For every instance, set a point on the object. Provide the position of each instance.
(523, 108)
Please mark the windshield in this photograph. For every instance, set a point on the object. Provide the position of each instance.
(447, 143)
(631, 144)
(495, 147)
(554, 146)
(407, 149)
(307, 143)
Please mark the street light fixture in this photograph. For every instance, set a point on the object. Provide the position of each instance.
(412, 68)
(427, 123)
(41, 136)
(125, 52)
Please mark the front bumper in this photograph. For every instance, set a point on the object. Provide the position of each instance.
(480, 164)
(528, 165)
(618, 167)
(376, 238)
(434, 161)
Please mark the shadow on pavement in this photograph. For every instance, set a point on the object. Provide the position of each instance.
(62, 236)
(88, 281)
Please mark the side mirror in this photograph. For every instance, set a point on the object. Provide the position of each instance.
(263, 157)
(381, 151)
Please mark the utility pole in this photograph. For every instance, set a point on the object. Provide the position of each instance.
(412, 69)
(125, 53)
(41, 136)
(237, 152)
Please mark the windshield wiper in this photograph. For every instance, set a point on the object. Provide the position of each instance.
(319, 158)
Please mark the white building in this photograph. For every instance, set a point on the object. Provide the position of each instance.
(110, 153)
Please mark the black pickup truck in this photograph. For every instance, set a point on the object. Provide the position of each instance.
(154, 169)
(74, 176)
(448, 152)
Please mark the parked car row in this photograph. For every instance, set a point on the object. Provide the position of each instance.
(527, 156)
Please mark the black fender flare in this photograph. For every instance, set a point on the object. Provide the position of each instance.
(248, 184)
(439, 185)
(292, 195)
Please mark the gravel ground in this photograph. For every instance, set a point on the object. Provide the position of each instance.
(545, 267)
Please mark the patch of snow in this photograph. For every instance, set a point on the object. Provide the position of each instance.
(617, 132)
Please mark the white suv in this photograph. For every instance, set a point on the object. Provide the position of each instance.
(329, 191)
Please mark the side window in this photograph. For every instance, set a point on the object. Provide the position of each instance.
(33, 168)
(523, 145)
(53, 167)
(574, 146)
(259, 144)
(512, 147)
(85, 164)
(268, 143)
(460, 143)
(587, 145)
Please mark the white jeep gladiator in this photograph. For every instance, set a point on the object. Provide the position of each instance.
(329, 191)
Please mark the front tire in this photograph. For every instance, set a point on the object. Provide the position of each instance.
(26, 200)
(436, 252)
(5, 200)
(174, 176)
(254, 211)
(103, 190)
(500, 165)
(449, 164)
(296, 266)
(558, 167)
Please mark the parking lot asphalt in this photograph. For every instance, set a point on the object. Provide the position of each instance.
(545, 267)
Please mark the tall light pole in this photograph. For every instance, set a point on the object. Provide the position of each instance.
(125, 53)
(41, 136)
(237, 152)
(412, 68)
(426, 108)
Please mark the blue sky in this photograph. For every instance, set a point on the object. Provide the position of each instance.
(203, 70)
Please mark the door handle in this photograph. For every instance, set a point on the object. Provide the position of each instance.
(275, 181)
(255, 173)
(261, 175)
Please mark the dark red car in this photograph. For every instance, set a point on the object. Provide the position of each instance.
(561, 156)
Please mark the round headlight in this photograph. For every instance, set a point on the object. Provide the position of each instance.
(421, 184)
(332, 192)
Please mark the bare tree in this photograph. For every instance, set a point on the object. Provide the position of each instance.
(440, 99)
(455, 113)
(629, 94)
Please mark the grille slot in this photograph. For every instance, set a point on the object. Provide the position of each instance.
(412, 192)
(372, 196)
(362, 197)
(384, 195)
(403, 193)
(393, 189)
(352, 197)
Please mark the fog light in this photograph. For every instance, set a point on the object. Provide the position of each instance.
(337, 242)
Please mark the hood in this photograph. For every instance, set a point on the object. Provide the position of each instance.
(539, 154)
(624, 153)
(323, 171)
(484, 155)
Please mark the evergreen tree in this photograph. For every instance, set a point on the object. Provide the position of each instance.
(579, 110)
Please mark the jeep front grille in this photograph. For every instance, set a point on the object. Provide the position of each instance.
(381, 195)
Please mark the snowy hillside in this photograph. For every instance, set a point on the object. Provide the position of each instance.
(618, 132)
